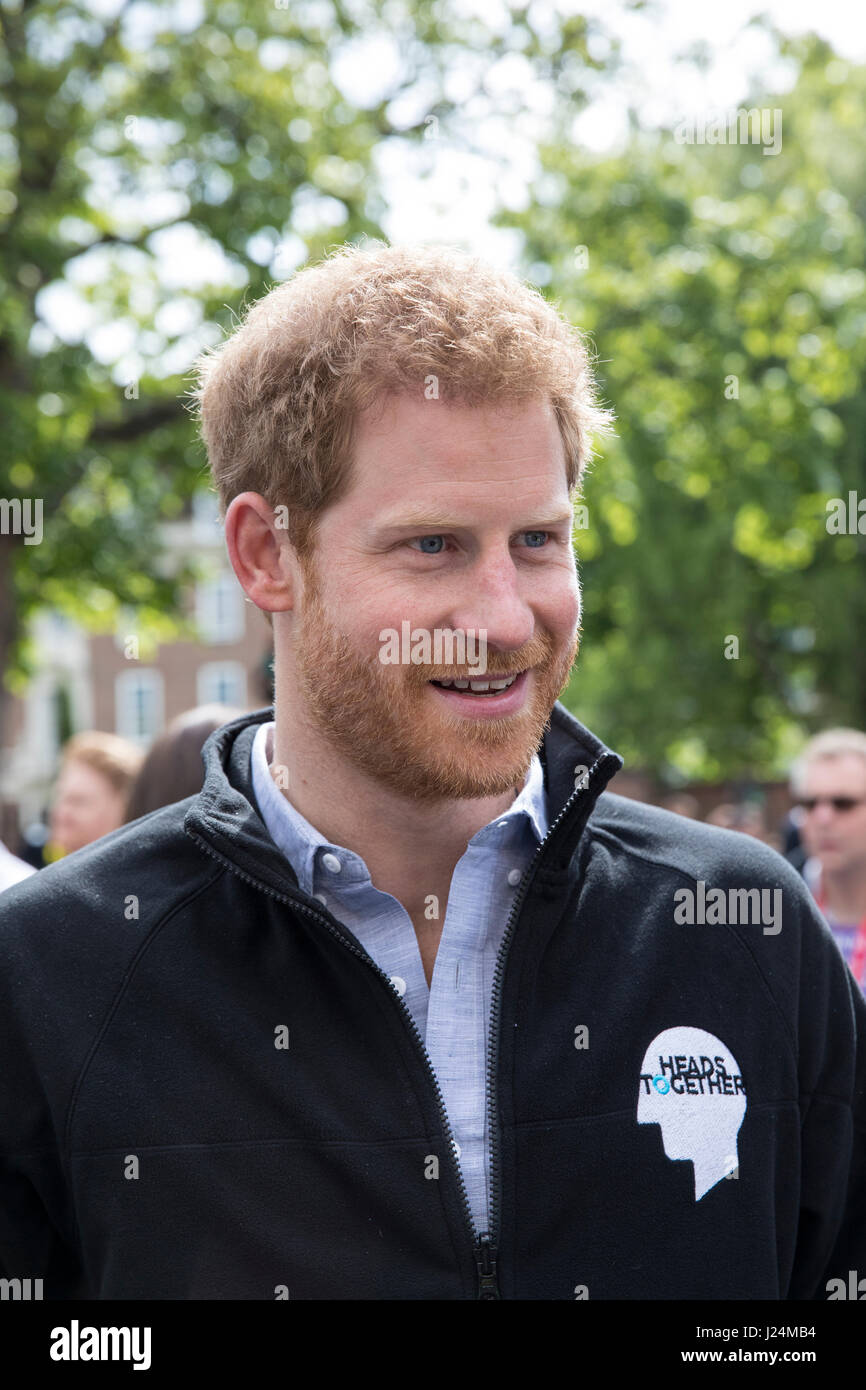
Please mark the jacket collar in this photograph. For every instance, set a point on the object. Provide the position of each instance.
(225, 814)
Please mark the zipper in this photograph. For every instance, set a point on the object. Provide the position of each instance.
(331, 925)
(485, 1258)
(488, 1242)
(485, 1244)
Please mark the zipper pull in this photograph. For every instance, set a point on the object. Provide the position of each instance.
(485, 1258)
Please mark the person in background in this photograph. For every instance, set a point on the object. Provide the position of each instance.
(682, 804)
(744, 816)
(828, 782)
(790, 838)
(173, 768)
(96, 772)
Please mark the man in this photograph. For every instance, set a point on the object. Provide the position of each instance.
(97, 770)
(404, 1005)
(829, 784)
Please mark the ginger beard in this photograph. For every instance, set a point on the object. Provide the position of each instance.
(389, 722)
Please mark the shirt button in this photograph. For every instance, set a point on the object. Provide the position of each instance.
(321, 897)
(514, 877)
(502, 824)
(331, 862)
(399, 985)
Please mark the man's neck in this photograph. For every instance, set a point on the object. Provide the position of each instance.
(844, 892)
(410, 848)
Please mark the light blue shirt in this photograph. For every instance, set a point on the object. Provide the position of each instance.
(453, 1014)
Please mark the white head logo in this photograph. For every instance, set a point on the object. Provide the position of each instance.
(691, 1085)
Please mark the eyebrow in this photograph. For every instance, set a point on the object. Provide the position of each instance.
(424, 521)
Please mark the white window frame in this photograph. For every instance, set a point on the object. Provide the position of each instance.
(126, 720)
(213, 671)
(219, 602)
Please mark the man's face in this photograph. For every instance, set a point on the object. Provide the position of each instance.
(458, 518)
(836, 837)
(86, 806)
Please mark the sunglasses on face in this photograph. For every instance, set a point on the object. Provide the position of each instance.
(839, 803)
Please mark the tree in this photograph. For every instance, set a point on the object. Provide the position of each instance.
(725, 292)
(138, 152)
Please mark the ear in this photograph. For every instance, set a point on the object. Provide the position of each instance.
(260, 553)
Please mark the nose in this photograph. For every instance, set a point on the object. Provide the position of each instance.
(498, 595)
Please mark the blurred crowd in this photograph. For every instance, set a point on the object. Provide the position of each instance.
(823, 834)
(104, 782)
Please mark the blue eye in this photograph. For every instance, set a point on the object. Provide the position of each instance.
(435, 544)
(423, 539)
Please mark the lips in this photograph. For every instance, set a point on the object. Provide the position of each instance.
(484, 704)
(490, 685)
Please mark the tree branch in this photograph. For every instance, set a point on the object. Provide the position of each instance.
(135, 425)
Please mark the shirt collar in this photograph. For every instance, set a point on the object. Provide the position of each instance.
(302, 843)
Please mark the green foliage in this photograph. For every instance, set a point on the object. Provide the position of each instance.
(110, 137)
(724, 289)
(117, 134)
(725, 293)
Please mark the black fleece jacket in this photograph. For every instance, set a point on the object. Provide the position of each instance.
(210, 1091)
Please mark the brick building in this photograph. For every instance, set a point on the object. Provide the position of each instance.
(94, 681)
